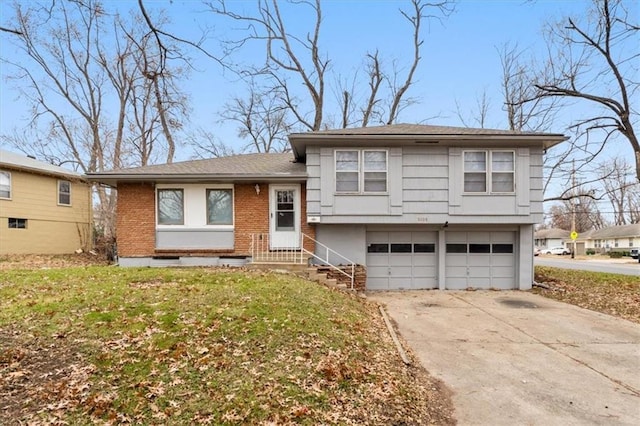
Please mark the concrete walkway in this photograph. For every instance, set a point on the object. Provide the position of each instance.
(515, 358)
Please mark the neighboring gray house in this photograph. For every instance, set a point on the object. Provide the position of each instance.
(420, 206)
(548, 238)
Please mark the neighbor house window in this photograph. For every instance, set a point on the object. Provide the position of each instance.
(361, 171)
(170, 207)
(630, 242)
(64, 192)
(489, 171)
(219, 207)
(5, 184)
(15, 223)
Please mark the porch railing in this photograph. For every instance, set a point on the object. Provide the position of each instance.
(293, 251)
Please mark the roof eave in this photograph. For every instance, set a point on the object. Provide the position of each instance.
(299, 141)
(113, 179)
(18, 167)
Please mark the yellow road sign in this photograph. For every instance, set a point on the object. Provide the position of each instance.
(574, 235)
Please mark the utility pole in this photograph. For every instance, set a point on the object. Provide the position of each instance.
(573, 207)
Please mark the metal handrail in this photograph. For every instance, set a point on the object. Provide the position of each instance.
(260, 244)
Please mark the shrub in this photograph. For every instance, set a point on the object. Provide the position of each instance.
(615, 254)
(590, 252)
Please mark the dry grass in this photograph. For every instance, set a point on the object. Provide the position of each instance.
(108, 345)
(613, 294)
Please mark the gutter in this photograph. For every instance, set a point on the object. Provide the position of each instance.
(115, 178)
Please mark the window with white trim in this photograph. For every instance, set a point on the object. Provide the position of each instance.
(361, 171)
(170, 207)
(5, 184)
(489, 171)
(219, 207)
(64, 192)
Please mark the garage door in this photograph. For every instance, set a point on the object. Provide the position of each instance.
(401, 260)
(480, 260)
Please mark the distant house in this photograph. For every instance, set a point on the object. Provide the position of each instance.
(612, 238)
(44, 209)
(547, 238)
(418, 206)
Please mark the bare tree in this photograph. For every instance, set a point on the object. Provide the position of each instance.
(80, 71)
(298, 60)
(596, 62)
(261, 119)
(587, 215)
(206, 145)
(620, 190)
(481, 114)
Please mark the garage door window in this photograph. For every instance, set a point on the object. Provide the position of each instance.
(502, 248)
(456, 248)
(378, 248)
(424, 248)
(479, 248)
(400, 248)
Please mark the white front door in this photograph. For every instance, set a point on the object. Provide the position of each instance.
(284, 223)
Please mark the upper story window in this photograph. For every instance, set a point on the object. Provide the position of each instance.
(64, 192)
(489, 171)
(219, 207)
(170, 207)
(5, 184)
(361, 171)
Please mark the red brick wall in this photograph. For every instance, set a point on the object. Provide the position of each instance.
(251, 214)
(135, 219)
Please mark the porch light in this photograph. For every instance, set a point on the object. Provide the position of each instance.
(257, 189)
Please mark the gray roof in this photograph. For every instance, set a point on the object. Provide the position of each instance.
(551, 233)
(269, 166)
(420, 133)
(621, 231)
(22, 162)
(417, 129)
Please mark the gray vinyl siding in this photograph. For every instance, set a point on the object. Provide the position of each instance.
(425, 186)
(194, 239)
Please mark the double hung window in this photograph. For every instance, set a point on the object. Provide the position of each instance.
(5, 184)
(64, 192)
(361, 171)
(489, 172)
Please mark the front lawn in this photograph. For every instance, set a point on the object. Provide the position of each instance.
(181, 346)
(612, 294)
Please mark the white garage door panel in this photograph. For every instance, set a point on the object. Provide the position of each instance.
(404, 264)
(477, 268)
(377, 283)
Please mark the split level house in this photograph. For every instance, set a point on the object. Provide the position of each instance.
(44, 209)
(419, 207)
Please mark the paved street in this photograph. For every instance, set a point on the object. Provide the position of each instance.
(613, 266)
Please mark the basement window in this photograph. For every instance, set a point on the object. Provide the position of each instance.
(15, 223)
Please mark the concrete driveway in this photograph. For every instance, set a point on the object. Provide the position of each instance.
(518, 358)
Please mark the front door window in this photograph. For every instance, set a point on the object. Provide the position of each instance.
(285, 214)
